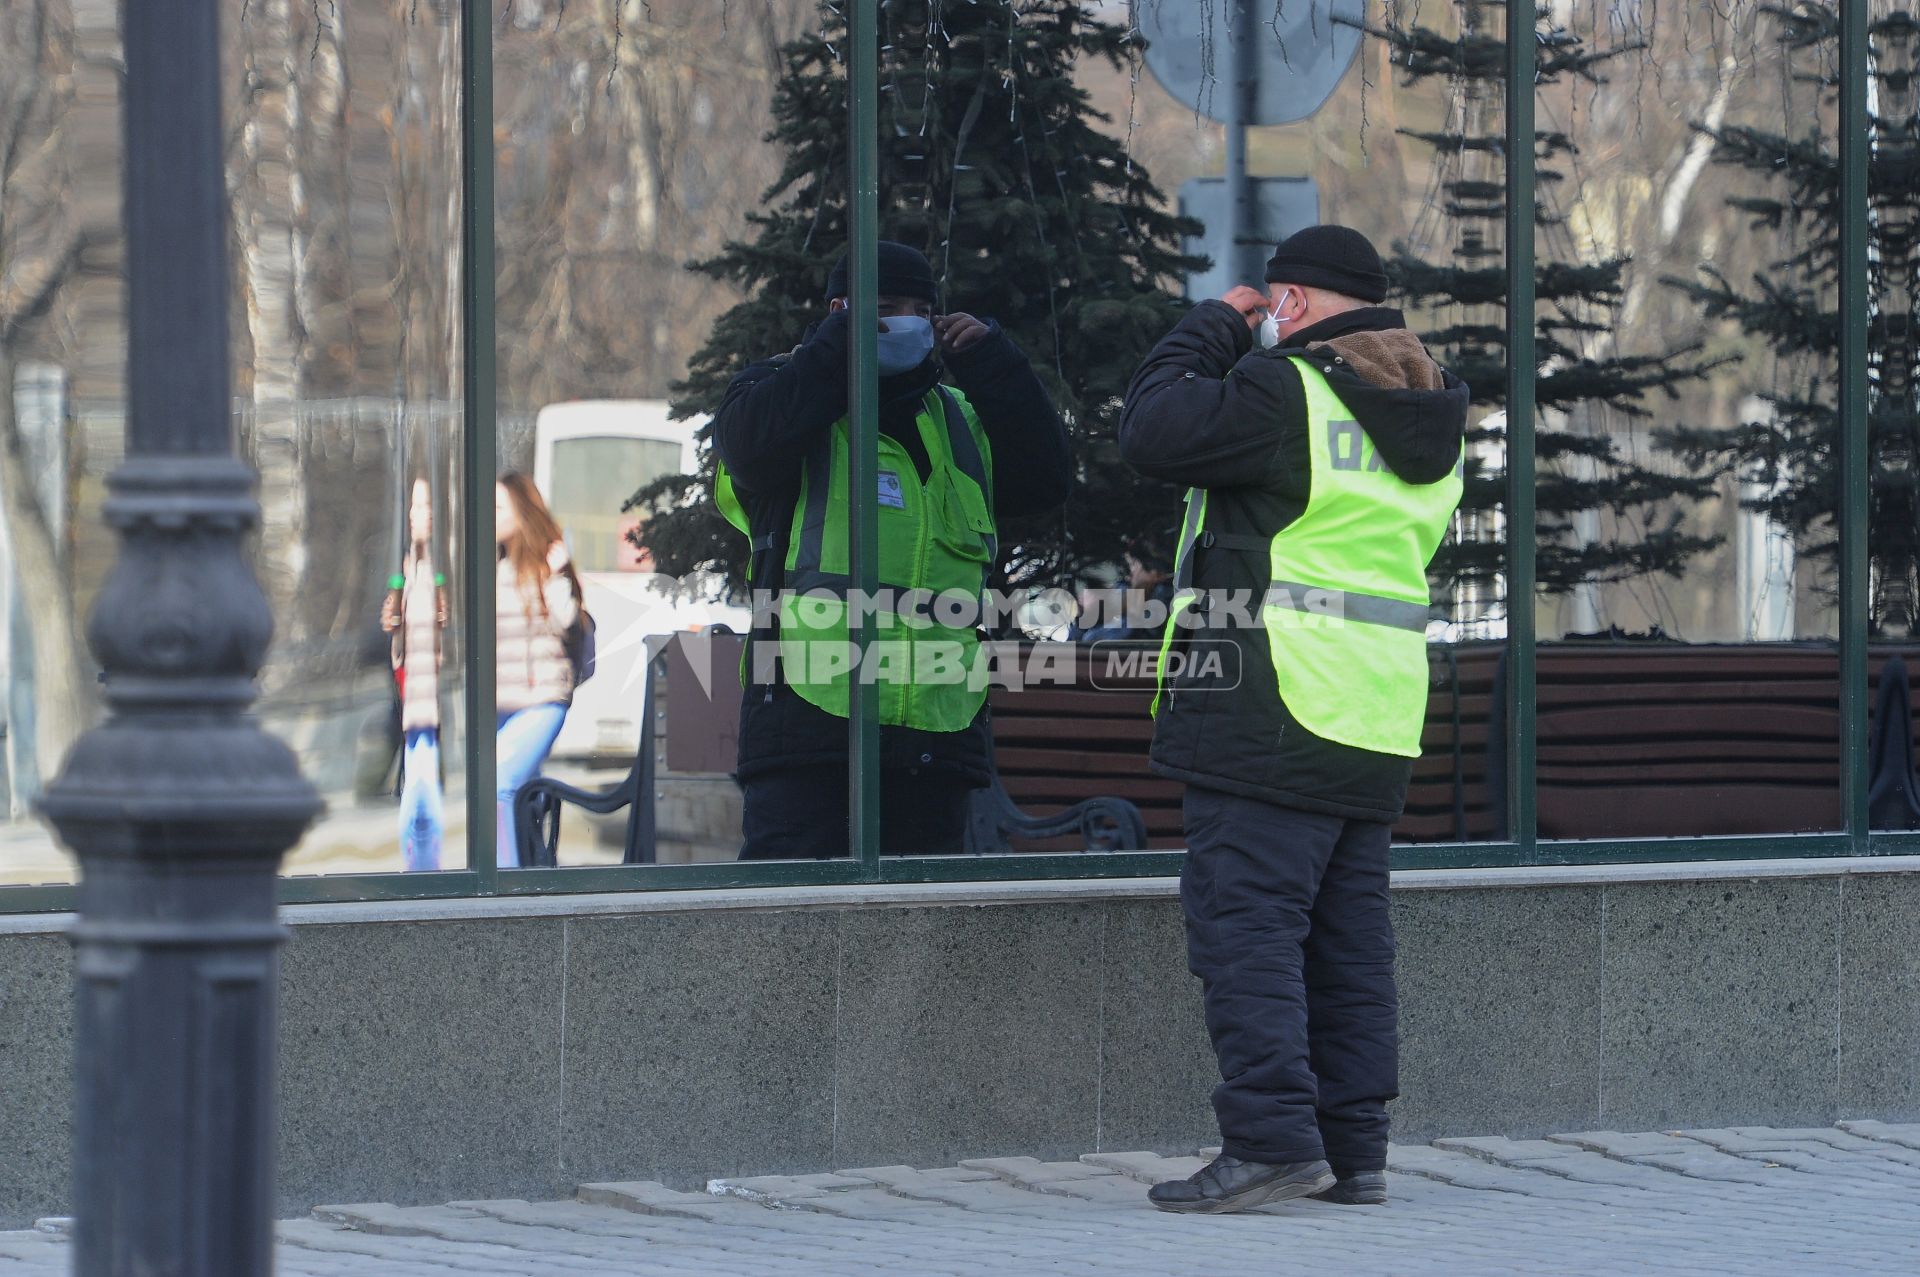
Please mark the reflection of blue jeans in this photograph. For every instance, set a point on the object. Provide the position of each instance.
(420, 805)
(524, 738)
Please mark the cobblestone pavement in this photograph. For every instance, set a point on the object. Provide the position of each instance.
(1747, 1200)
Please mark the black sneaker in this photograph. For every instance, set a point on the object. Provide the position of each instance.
(1228, 1184)
(1367, 1188)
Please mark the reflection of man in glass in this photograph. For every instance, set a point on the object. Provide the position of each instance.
(954, 459)
(1323, 471)
(415, 613)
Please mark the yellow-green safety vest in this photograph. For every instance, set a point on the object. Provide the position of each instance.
(1345, 610)
(938, 542)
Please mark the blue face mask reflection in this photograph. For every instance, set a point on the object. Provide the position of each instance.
(905, 345)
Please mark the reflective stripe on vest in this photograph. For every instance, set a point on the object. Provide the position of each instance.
(1183, 592)
(937, 539)
(1346, 602)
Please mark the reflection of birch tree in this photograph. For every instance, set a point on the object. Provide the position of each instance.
(424, 201)
(264, 180)
(44, 251)
(1787, 459)
(345, 179)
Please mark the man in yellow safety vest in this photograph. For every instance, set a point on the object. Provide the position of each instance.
(1321, 447)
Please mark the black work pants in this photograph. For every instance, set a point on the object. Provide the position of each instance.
(800, 813)
(1288, 928)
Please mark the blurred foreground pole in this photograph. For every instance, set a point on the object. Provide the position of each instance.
(179, 806)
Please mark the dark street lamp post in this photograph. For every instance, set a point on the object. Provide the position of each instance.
(179, 806)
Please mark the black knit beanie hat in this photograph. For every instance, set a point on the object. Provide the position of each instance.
(1336, 258)
(904, 272)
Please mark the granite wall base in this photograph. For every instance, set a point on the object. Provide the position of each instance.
(438, 1051)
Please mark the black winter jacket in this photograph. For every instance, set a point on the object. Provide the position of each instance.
(1244, 439)
(776, 409)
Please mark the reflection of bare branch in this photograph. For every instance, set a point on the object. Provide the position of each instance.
(35, 171)
(613, 63)
(20, 307)
(26, 94)
(613, 174)
(15, 134)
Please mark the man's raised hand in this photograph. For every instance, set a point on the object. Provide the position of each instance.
(957, 332)
(1250, 302)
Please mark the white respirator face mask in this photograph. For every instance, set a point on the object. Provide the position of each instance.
(1269, 334)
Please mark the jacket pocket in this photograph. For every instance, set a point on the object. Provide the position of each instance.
(966, 527)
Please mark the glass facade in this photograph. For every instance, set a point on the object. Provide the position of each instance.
(1683, 316)
(1688, 667)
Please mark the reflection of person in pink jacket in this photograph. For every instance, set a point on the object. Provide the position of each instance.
(536, 607)
(415, 613)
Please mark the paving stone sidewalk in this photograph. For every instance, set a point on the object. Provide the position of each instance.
(1746, 1200)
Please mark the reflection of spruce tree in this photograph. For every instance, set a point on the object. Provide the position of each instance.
(1583, 472)
(1789, 459)
(994, 163)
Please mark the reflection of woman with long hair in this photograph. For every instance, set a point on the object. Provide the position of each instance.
(537, 604)
(415, 613)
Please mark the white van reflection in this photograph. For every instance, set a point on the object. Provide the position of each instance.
(589, 457)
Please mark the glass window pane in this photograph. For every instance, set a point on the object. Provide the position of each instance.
(629, 150)
(1893, 412)
(1086, 222)
(345, 172)
(1687, 666)
(346, 181)
(1436, 76)
(1432, 206)
(1049, 254)
(62, 347)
